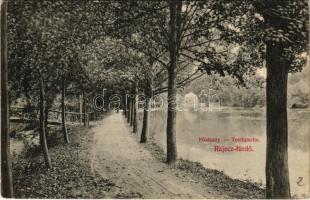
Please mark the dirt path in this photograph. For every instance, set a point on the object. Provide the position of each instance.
(119, 157)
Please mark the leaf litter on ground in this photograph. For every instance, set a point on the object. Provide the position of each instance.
(70, 176)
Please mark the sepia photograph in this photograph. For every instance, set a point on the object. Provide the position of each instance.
(156, 99)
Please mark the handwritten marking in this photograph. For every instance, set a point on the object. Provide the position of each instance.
(300, 181)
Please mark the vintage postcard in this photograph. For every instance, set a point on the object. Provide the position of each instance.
(162, 99)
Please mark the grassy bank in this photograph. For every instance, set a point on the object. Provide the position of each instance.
(232, 188)
(70, 176)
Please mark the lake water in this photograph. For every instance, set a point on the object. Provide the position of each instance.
(244, 123)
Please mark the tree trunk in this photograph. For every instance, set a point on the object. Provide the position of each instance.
(128, 109)
(87, 122)
(43, 142)
(124, 105)
(84, 110)
(81, 109)
(171, 120)
(175, 11)
(277, 173)
(63, 111)
(46, 112)
(6, 162)
(135, 112)
(131, 111)
(146, 120)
